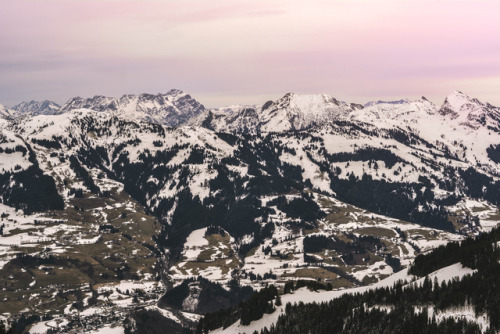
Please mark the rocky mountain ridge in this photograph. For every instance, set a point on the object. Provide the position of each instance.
(34, 108)
(171, 109)
(292, 112)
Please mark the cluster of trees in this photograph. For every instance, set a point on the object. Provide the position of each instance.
(54, 144)
(479, 185)
(196, 157)
(392, 199)
(393, 262)
(367, 154)
(95, 157)
(215, 230)
(30, 190)
(310, 284)
(17, 148)
(493, 152)
(108, 227)
(318, 242)
(151, 322)
(304, 207)
(252, 309)
(83, 174)
(472, 252)
(212, 296)
(20, 325)
(157, 143)
(358, 245)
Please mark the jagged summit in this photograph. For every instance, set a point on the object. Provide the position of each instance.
(172, 108)
(33, 108)
(454, 103)
(470, 112)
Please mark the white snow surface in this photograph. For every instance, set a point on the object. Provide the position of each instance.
(194, 244)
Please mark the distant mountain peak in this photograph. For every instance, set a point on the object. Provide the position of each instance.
(172, 108)
(457, 103)
(34, 108)
(470, 112)
(372, 103)
(175, 91)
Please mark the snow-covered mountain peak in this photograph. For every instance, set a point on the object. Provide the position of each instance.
(33, 108)
(470, 112)
(313, 103)
(172, 108)
(457, 95)
(305, 102)
(175, 92)
(456, 103)
(298, 112)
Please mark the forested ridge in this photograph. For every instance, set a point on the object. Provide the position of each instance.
(408, 307)
(411, 307)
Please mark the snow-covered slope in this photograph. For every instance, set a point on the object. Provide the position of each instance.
(33, 108)
(463, 127)
(5, 112)
(172, 109)
(398, 112)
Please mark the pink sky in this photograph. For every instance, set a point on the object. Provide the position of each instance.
(225, 52)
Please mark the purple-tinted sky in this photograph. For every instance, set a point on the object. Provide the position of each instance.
(234, 51)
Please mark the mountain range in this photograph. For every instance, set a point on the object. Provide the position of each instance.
(151, 191)
(291, 112)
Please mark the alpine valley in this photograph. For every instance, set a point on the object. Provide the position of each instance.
(153, 214)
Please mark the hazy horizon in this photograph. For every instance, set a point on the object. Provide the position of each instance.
(262, 100)
(238, 52)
